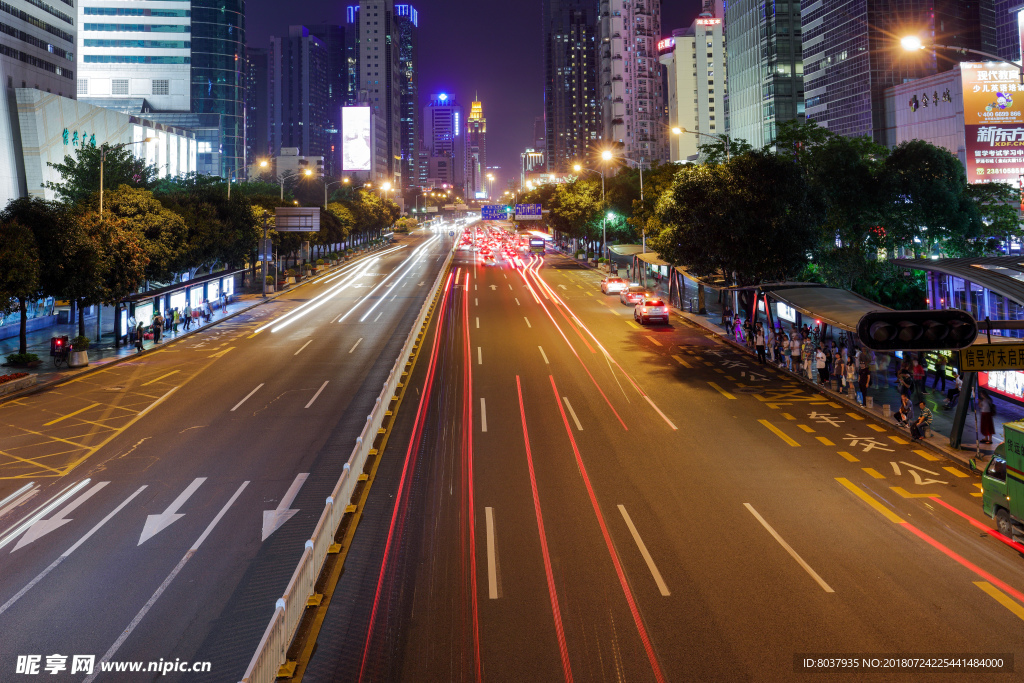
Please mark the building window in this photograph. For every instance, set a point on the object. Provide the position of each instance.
(161, 87)
(83, 86)
(119, 86)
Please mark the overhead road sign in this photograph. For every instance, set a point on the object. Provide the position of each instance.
(529, 212)
(494, 212)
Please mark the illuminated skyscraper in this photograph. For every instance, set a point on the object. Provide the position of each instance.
(298, 89)
(218, 73)
(476, 152)
(444, 139)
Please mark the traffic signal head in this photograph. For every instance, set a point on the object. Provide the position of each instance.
(917, 330)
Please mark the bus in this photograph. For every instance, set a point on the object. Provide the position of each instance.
(537, 245)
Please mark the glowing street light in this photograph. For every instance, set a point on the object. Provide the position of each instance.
(913, 43)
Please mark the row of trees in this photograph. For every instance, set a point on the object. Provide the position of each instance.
(815, 206)
(152, 231)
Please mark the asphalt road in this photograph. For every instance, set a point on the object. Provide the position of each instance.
(575, 497)
(145, 536)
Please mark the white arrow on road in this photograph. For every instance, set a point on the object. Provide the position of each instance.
(562, 286)
(275, 519)
(157, 523)
(45, 526)
(494, 287)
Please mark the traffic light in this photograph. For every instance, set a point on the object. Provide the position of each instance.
(917, 330)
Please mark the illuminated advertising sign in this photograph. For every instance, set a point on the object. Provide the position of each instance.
(708, 22)
(992, 93)
(356, 145)
(1020, 32)
(1008, 383)
(994, 153)
(666, 45)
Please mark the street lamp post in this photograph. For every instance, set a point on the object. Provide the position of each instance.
(263, 248)
(724, 139)
(606, 156)
(104, 148)
(264, 164)
(911, 43)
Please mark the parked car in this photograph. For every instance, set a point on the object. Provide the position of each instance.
(613, 285)
(632, 295)
(650, 309)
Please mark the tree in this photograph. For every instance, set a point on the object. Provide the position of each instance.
(19, 272)
(162, 232)
(751, 220)
(999, 207)
(576, 207)
(122, 259)
(80, 175)
(714, 152)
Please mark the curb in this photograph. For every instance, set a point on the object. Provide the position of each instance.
(97, 367)
(949, 454)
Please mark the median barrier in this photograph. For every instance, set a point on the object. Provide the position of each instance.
(270, 658)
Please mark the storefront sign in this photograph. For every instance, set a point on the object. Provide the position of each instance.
(1009, 383)
(985, 357)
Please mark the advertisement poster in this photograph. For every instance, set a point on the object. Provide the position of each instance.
(356, 147)
(992, 93)
(994, 153)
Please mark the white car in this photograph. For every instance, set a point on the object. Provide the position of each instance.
(613, 285)
(650, 309)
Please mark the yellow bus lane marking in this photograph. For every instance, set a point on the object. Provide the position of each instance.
(806, 429)
(824, 441)
(956, 473)
(876, 427)
(30, 462)
(926, 455)
(873, 472)
(633, 324)
(855, 416)
(682, 362)
(907, 494)
(53, 422)
(788, 416)
(154, 381)
(778, 432)
(896, 439)
(860, 493)
(1002, 598)
(849, 456)
(722, 391)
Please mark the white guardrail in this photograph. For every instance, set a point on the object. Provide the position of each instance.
(273, 648)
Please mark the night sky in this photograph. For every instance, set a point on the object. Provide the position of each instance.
(467, 46)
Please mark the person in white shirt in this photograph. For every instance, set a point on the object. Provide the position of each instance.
(819, 363)
(794, 351)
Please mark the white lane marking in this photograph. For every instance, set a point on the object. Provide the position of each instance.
(355, 345)
(663, 415)
(45, 526)
(510, 287)
(483, 415)
(504, 276)
(895, 468)
(492, 570)
(46, 508)
(317, 394)
(18, 497)
(476, 302)
(303, 347)
(918, 467)
(248, 396)
(479, 356)
(395, 296)
(378, 316)
(792, 553)
(478, 323)
(474, 288)
(163, 586)
(643, 551)
(655, 341)
(544, 355)
(527, 322)
(572, 413)
(157, 523)
(42, 575)
(152, 405)
(275, 519)
(517, 302)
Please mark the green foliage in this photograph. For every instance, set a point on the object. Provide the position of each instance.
(19, 272)
(998, 204)
(715, 152)
(21, 358)
(163, 233)
(80, 343)
(80, 174)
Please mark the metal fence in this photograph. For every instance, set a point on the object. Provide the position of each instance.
(273, 648)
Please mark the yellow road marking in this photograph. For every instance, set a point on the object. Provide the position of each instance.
(806, 429)
(896, 439)
(873, 472)
(722, 391)
(955, 472)
(778, 432)
(154, 381)
(788, 416)
(709, 363)
(580, 286)
(833, 405)
(1002, 598)
(53, 422)
(221, 353)
(590, 294)
(682, 362)
(860, 493)
(720, 370)
(877, 428)
(907, 494)
(855, 416)
(733, 379)
(633, 325)
(980, 493)
(849, 456)
(824, 441)
(926, 455)
(32, 462)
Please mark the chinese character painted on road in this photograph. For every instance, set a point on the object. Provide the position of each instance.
(825, 418)
(869, 443)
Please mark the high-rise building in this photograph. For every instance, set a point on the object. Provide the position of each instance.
(1007, 29)
(631, 84)
(377, 83)
(37, 50)
(572, 108)
(335, 40)
(765, 80)
(125, 51)
(539, 136)
(444, 139)
(257, 127)
(407, 28)
(476, 152)
(852, 53)
(694, 60)
(218, 73)
(297, 95)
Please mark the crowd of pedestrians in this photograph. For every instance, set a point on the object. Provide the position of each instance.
(170, 321)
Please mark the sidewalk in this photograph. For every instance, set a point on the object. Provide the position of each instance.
(942, 420)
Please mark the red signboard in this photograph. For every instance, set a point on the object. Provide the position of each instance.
(1008, 383)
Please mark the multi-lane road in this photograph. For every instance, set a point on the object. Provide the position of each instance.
(575, 497)
(156, 509)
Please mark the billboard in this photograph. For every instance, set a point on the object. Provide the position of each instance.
(993, 121)
(356, 140)
(297, 219)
